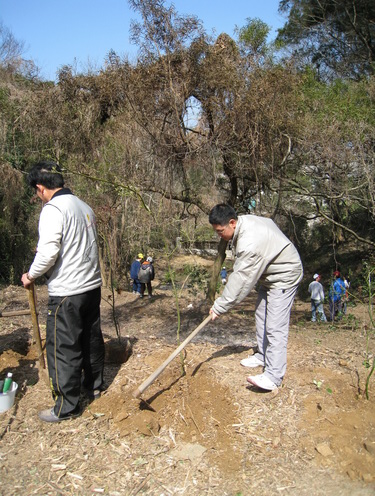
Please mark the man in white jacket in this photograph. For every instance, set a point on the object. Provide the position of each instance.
(67, 254)
(262, 254)
(317, 299)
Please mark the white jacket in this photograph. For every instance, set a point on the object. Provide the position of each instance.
(262, 253)
(67, 251)
(316, 290)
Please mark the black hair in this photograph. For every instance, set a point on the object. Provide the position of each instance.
(221, 214)
(46, 173)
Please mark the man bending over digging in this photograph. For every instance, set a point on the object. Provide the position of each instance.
(262, 254)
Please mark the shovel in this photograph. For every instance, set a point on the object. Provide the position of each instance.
(145, 384)
(34, 316)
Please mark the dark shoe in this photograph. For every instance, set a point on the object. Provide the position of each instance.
(50, 416)
(93, 394)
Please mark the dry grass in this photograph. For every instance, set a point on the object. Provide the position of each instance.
(208, 432)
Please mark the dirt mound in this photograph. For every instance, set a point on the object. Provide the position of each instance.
(194, 406)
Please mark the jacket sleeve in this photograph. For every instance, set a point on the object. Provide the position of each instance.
(321, 294)
(49, 244)
(134, 269)
(247, 270)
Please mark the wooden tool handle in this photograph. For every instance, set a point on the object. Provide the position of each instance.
(34, 316)
(137, 392)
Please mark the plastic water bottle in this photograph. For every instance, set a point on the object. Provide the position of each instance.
(8, 382)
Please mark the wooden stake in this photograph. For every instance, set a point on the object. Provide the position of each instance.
(14, 313)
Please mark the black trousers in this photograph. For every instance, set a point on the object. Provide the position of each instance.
(74, 343)
(149, 288)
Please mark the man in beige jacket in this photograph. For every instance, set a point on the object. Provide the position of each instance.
(264, 255)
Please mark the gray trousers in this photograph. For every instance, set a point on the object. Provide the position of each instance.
(272, 315)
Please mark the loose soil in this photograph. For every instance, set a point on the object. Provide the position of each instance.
(202, 432)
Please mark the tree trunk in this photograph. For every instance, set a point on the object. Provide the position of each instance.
(211, 291)
(103, 268)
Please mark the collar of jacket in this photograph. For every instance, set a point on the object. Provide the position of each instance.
(63, 191)
(236, 231)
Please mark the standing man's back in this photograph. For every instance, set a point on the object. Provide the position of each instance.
(67, 254)
(74, 256)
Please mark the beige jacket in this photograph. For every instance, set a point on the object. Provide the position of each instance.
(262, 253)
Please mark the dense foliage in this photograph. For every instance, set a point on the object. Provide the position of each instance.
(153, 145)
(337, 36)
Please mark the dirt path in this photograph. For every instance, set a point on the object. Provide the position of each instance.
(202, 433)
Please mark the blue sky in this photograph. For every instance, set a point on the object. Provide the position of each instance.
(61, 32)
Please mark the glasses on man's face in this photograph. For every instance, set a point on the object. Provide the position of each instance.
(221, 230)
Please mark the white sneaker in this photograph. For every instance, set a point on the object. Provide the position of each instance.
(252, 361)
(262, 382)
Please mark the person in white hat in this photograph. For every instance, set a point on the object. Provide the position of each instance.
(317, 298)
(146, 274)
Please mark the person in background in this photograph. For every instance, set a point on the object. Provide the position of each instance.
(223, 275)
(134, 269)
(67, 254)
(336, 293)
(317, 299)
(146, 274)
(346, 295)
(262, 254)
